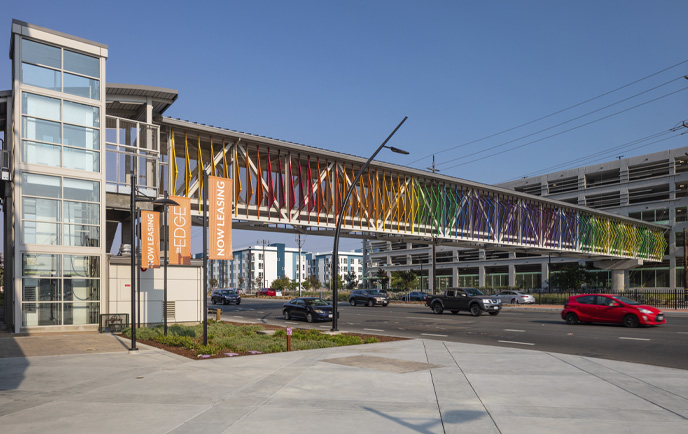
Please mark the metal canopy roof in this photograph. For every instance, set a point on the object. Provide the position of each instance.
(126, 100)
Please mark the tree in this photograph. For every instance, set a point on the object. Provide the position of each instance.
(404, 279)
(572, 276)
(258, 282)
(381, 276)
(351, 280)
(212, 282)
(311, 282)
(282, 283)
(241, 282)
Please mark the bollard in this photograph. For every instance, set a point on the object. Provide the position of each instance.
(218, 314)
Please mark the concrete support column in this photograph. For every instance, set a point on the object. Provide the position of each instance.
(512, 276)
(481, 275)
(618, 280)
(455, 276)
(545, 275)
(431, 280)
(364, 270)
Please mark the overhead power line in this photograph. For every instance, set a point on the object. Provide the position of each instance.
(562, 132)
(564, 123)
(551, 114)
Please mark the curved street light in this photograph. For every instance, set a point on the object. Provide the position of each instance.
(335, 249)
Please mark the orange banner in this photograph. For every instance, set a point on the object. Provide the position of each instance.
(220, 216)
(150, 239)
(179, 231)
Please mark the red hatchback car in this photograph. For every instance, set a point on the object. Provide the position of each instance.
(610, 309)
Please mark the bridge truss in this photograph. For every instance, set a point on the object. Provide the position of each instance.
(290, 187)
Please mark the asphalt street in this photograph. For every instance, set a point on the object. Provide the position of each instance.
(665, 345)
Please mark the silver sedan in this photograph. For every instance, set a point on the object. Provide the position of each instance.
(515, 297)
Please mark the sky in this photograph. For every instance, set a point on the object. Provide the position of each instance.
(497, 90)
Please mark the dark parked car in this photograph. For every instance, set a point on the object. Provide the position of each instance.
(610, 309)
(369, 297)
(310, 308)
(225, 296)
(414, 296)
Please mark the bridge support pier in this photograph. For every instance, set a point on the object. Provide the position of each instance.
(618, 269)
(618, 280)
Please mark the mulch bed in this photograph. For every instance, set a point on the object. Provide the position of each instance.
(190, 354)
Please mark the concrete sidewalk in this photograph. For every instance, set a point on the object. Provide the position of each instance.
(414, 386)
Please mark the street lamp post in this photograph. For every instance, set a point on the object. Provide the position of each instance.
(335, 248)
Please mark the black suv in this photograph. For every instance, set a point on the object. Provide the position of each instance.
(225, 296)
(369, 297)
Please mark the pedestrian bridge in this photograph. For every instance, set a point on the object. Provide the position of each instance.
(288, 187)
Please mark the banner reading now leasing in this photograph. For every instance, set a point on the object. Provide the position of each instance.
(179, 231)
(150, 239)
(220, 216)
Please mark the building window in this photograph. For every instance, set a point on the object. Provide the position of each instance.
(60, 133)
(60, 289)
(681, 214)
(60, 70)
(60, 211)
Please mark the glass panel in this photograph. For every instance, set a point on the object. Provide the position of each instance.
(681, 214)
(82, 212)
(81, 266)
(81, 86)
(41, 233)
(40, 185)
(40, 106)
(35, 52)
(40, 209)
(81, 190)
(81, 235)
(41, 153)
(662, 278)
(81, 137)
(81, 64)
(41, 314)
(81, 289)
(81, 313)
(41, 77)
(81, 160)
(37, 264)
(45, 131)
(41, 290)
(81, 114)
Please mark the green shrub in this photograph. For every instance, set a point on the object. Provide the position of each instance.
(371, 340)
(205, 350)
(280, 333)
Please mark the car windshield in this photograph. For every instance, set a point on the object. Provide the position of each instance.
(374, 292)
(626, 300)
(473, 291)
(226, 292)
(317, 302)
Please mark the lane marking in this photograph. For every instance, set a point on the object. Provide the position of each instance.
(431, 334)
(237, 316)
(682, 333)
(514, 330)
(415, 317)
(374, 330)
(635, 339)
(514, 342)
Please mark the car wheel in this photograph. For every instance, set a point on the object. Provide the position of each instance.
(571, 318)
(309, 317)
(371, 303)
(286, 315)
(454, 312)
(494, 313)
(238, 303)
(437, 308)
(352, 302)
(631, 321)
(514, 301)
(475, 310)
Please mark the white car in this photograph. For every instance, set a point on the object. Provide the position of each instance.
(515, 297)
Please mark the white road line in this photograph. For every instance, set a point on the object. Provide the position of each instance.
(635, 339)
(237, 316)
(682, 333)
(513, 342)
(513, 330)
(431, 334)
(374, 330)
(415, 317)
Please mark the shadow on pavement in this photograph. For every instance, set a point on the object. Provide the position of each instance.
(453, 416)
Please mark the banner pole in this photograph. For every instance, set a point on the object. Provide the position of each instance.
(205, 257)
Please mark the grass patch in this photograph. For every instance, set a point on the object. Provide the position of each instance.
(241, 339)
